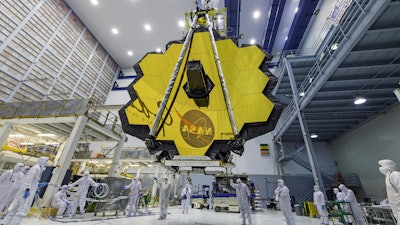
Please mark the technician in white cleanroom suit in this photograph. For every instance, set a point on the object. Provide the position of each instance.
(165, 189)
(84, 184)
(319, 202)
(392, 179)
(282, 196)
(186, 193)
(60, 201)
(10, 182)
(135, 191)
(345, 206)
(339, 195)
(22, 202)
(243, 196)
(25, 169)
(348, 196)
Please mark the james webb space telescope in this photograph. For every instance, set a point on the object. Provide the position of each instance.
(203, 98)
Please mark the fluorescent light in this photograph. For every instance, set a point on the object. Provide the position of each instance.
(114, 31)
(147, 27)
(27, 143)
(314, 135)
(296, 9)
(94, 2)
(46, 135)
(301, 94)
(286, 38)
(252, 41)
(158, 50)
(256, 14)
(130, 53)
(17, 135)
(51, 143)
(359, 100)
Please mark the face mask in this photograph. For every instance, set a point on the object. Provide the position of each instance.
(383, 170)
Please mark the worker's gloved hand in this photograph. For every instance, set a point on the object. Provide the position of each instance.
(323, 207)
(42, 184)
(67, 203)
(155, 178)
(38, 191)
(249, 198)
(26, 194)
(123, 187)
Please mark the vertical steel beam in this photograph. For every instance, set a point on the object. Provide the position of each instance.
(116, 157)
(64, 161)
(304, 129)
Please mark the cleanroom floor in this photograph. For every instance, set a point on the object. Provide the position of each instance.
(175, 217)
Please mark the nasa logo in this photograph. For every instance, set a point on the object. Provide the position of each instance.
(197, 129)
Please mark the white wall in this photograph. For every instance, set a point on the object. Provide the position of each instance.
(251, 162)
(314, 34)
(360, 150)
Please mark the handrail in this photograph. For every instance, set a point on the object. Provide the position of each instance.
(335, 32)
(60, 108)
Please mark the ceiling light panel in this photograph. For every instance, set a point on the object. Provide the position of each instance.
(114, 31)
(359, 100)
(181, 23)
(147, 27)
(256, 14)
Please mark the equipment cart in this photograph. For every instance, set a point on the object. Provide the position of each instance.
(341, 210)
(117, 199)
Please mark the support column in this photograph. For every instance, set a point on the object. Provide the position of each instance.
(278, 164)
(117, 157)
(304, 129)
(138, 172)
(65, 160)
(5, 132)
(58, 155)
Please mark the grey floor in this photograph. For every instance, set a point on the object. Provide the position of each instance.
(175, 217)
